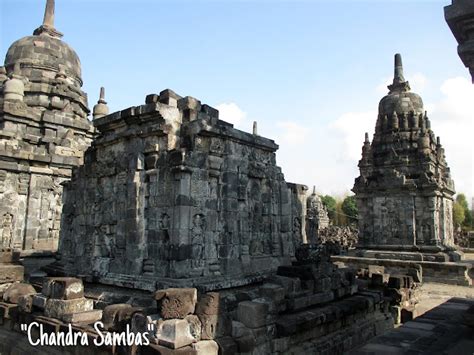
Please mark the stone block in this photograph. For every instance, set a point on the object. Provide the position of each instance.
(396, 282)
(227, 346)
(25, 303)
(156, 349)
(6, 310)
(252, 314)
(39, 301)
(115, 317)
(13, 293)
(63, 288)
(86, 317)
(206, 347)
(195, 326)
(176, 302)
(208, 304)
(245, 343)
(58, 308)
(273, 291)
(377, 280)
(11, 273)
(175, 333)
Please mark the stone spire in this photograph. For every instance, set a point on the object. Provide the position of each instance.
(399, 83)
(100, 109)
(254, 128)
(48, 22)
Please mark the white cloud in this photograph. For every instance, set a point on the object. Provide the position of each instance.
(291, 133)
(232, 113)
(452, 120)
(351, 128)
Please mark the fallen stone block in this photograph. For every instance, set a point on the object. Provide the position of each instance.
(195, 326)
(176, 303)
(175, 333)
(63, 288)
(245, 343)
(273, 291)
(115, 317)
(39, 301)
(6, 311)
(86, 317)
(58, 308)
(25, 303)
(208, 304)
(11, 273)
(252, 314)
(13, 293)
(156, 349)
(206, 347)
(227, 346)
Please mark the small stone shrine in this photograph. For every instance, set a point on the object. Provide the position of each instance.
(404, 192)
(44, 131)
(169, 192)
(316, 217)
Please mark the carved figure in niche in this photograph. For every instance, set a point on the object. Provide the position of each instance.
(256, 247)
(197, 239)
(312, 218)
(7, 230)
(297, 238)
(104, 245)
(164, 223)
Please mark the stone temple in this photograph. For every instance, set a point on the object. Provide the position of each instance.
(168, 191)
(404, 192)
(163, 202)
(44, 131)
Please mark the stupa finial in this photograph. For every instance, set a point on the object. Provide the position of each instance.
(399, 82)
(48, 22)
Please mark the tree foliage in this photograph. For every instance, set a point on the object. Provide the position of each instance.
(458, 214)
(330, 203)
(461, 202)
(349, 208)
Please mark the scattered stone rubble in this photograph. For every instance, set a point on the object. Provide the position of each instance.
(346, 237)
(310, 306)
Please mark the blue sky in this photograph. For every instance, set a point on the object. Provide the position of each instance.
(310, 72)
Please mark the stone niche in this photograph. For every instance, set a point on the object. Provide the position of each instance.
(168, 192)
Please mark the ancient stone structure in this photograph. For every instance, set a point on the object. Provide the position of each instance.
(316, 217)
(168, 191)
(404, 192)
(43, 132)
(460, 18)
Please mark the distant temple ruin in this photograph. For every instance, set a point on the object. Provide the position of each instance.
(44, 131)
(404, 192)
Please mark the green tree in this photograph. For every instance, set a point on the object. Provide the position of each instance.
(330, 203)
(458, 214)
(462, 201)
(349, 208)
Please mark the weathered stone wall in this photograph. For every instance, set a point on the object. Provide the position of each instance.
(170, 191)
(405, 220)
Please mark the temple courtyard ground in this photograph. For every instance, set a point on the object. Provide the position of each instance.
(441, 325)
